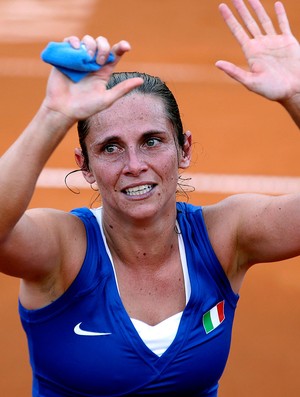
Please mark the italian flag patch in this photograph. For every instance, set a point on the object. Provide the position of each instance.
(214, 317)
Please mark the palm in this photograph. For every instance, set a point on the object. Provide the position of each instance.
(274, 65)
(76, 101)
(273, 59)
(89, 96)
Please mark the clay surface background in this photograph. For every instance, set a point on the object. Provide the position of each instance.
(241, 143)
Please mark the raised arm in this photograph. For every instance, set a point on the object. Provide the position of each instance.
(33, 238)
(273, 58)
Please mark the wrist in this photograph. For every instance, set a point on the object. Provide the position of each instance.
(292, 106)
(54, 120)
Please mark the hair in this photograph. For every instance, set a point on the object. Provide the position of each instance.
(152, 86)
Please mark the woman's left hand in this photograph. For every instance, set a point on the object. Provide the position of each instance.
(273, 58)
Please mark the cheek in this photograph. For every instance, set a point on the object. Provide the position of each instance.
(106, 176)
(169, 170)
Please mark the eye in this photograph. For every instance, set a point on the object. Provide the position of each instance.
(151, 142)
(110, 148)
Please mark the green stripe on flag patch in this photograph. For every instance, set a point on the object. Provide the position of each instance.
(214, 317)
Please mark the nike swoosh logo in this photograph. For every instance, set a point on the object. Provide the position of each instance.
(82, 332)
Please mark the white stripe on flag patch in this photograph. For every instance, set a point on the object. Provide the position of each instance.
(214, 317)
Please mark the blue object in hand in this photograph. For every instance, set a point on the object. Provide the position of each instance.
(75, 63)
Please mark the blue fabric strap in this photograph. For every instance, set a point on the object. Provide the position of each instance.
(75, 63)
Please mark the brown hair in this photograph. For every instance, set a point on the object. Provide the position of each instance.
(152, 86)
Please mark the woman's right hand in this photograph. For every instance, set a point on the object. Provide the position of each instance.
(75, 101)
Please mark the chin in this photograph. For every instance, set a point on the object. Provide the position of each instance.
(142, 211)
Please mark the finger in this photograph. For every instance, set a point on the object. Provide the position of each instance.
(235, 27)
(122, 89)
(247, 18)
(262, 16)
(282, 18)
(90, 44)
(103, 48)
(120, 48)
(73, 40)
(235, 72)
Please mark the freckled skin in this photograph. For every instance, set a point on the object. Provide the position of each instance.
(132, 161)
(134, 157)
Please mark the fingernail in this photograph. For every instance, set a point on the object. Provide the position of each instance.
(101, 60)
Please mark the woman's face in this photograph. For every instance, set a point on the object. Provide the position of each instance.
(134, 157)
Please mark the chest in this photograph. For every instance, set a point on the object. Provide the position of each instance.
(152, 296)
(108, 357)
(103, 353)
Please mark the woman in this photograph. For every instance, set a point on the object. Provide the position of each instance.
(138, 297)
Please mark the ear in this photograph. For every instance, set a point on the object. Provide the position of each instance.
(80, 161)
(186, 151)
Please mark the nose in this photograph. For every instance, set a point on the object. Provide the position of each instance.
(135, 162)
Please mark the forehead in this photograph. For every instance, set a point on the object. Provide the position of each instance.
(133, 112)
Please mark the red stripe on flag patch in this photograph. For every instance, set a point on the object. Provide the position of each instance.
(220, 308)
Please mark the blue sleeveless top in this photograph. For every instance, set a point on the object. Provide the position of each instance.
(85, 345)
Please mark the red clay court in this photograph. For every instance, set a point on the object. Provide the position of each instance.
(241, 143)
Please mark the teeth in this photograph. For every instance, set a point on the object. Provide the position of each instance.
(138, 190)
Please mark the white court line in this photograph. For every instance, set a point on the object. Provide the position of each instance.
(35, 21)
(202, 182)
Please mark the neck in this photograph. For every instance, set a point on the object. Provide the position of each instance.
(141, 244)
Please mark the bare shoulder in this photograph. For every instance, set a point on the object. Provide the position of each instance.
(42, 241)
(53, 219)
(246, 229)
(218, 215)
(59, 250)
(233, 208)
(229, 220)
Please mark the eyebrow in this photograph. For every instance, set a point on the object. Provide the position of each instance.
(116, 138)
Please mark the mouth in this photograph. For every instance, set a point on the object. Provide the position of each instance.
(138, 190)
